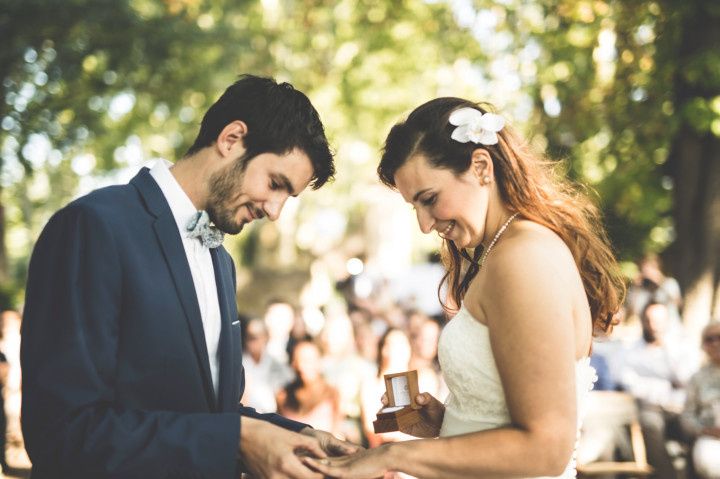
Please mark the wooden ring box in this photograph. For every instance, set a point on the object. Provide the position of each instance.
(402, 410)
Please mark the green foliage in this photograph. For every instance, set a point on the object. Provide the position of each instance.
(87, 73)
(603, 102)
(123, 80)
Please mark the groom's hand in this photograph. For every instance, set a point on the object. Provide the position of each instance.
(269, 451)
(330, 444)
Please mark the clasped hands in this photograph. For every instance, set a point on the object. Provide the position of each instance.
(268, 451)
(374, 463)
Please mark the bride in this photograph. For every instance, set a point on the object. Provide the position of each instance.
(540, 281)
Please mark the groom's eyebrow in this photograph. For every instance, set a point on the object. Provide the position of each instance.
(417, 195)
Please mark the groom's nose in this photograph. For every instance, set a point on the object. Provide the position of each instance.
(274, 205)
(425, 220)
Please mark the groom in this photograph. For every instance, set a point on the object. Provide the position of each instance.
(131, 353)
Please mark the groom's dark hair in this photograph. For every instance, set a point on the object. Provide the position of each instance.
(279, 118)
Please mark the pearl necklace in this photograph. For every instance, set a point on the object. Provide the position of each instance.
(495, 238)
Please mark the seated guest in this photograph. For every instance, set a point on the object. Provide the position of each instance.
(264, 375)
(424, 352)
(309, 398)
(345, 369)
(393, 357)
(655, 370)
(279, 319)
(605, 381)
(701, 415)
(653, 286)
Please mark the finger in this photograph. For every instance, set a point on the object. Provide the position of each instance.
(323, 466)
(299, 470)
(429, 399)
(312, 447)
(351, 448)
(343, 448)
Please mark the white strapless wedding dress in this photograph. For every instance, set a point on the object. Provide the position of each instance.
(477, 401)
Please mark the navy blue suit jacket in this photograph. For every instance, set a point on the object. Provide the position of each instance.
(116, 377)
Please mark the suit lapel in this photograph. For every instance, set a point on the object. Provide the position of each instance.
(171, 244)
(223, 280)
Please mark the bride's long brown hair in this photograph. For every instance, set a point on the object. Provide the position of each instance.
(528, 184)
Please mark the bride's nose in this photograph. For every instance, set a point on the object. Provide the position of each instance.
(425, 220)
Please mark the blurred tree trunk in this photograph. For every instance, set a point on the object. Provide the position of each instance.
(697, 220)
(4, 273)
(694, 161)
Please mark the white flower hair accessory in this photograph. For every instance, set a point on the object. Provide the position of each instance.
(476, 126)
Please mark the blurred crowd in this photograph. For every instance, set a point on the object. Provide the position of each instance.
(333, 379)
(329, 373)
(674, 380)
(12, 451)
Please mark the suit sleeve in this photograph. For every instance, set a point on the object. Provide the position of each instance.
(72, 424)
(273, 418)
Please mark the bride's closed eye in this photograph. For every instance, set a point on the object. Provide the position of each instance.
(429, 200)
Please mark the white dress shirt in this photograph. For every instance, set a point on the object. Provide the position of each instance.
(199, 259)
(263, 380)
(658, 374)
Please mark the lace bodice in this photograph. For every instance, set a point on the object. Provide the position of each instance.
(477, 401)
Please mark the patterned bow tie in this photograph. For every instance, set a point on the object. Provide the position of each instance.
(199, 227)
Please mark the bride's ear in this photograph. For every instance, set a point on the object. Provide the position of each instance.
(482, 166)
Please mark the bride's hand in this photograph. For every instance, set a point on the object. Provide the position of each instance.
(365, 464)
(431, 411)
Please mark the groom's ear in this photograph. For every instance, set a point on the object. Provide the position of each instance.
(230, 139)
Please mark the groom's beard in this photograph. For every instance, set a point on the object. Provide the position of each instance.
(224, 219)
(225, 187)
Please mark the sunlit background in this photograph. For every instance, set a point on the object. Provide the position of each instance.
(95, 89)
(625, 93)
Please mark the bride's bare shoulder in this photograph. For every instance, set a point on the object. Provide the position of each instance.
(530, 250)
(532, 238)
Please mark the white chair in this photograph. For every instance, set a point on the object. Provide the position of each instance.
(614, 415)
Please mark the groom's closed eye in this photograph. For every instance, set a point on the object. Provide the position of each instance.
(279, 180)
